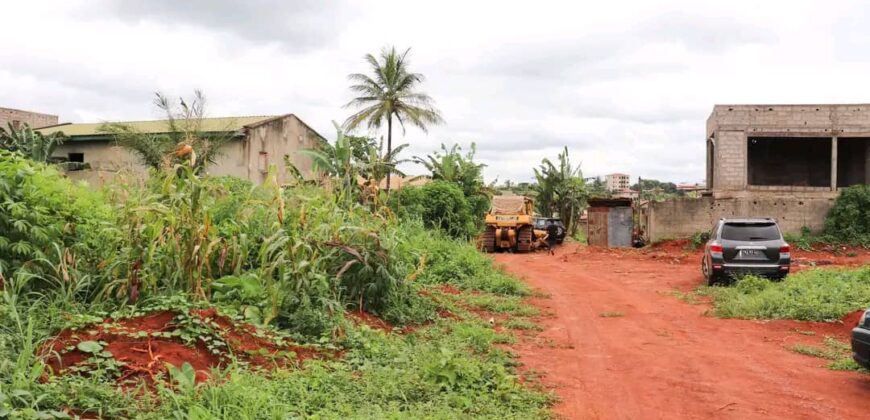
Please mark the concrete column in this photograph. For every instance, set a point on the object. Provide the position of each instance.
(834, 163)
(867, 161)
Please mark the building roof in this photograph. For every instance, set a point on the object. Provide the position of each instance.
(209, 125)
(616, 174)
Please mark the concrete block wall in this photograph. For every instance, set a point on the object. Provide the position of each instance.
(730, 161)
(34, 119)
(683, 217)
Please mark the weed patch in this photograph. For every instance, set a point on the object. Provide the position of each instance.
(838, 352)
(811, 295)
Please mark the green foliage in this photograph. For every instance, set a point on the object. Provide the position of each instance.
(651, 189)
(838, 352)
(812, 295)
(849, 219)
(290, 259)
(29, 143)
(451, 165)
(439, 205)
(49, 227)
(561, 190)
(457, 263)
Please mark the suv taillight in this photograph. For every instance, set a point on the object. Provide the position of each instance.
(716, 248)
(785, 248)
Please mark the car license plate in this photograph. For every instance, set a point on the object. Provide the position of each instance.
(506, 218)
(751, 253)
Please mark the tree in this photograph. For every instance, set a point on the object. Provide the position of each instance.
(561, 189)
(29, 142)
(452, 165)
(390, 92)
(183, 140)
(336, 162)
(375, 165)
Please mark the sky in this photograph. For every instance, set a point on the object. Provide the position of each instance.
(626, 86)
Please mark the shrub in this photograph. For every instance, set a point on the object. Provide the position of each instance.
(458, 263)
(849, 219)
(813, 295)
(440, 205)
(49, 227)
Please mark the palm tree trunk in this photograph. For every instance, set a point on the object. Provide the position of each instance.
(389, 146)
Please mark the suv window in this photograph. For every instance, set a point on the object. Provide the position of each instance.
(750, 231)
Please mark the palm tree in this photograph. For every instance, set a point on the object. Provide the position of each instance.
(390, 92)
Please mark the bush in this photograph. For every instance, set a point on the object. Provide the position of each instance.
(849, 219)
(439, 205)
(813, 295)
(49, 227)
(457, 263)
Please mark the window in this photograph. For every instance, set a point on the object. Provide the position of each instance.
(76, 157)
(263, 162)
(750, 232)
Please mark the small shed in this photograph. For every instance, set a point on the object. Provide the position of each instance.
(610, 222)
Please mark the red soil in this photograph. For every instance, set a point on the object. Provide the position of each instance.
(365, 318)
(665, 358)
(144, 357)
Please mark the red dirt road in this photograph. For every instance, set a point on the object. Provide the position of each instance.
(664, 358)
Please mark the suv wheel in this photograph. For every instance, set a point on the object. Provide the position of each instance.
(710, 278)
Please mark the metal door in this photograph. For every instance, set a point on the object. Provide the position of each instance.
(597, 226)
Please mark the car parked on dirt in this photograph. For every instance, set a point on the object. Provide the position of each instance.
(861, 341)
(541, 223)
(737, 247)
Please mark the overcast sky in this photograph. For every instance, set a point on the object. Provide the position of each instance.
(626, 86)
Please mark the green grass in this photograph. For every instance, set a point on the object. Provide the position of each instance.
(838, 352)
(511, 305)
(811, 295)
(522, 324)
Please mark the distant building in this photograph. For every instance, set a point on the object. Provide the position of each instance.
(617, 182)
(625, 193)
(17, 118)
(691, 187)
(257, 143)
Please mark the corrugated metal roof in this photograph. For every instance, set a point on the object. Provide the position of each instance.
(222, 124)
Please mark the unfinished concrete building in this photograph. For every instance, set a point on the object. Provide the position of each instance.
(783, 161)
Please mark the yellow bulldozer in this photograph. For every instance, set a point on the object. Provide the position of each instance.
(510, 225)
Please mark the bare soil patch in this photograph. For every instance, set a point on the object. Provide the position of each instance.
(666, 358)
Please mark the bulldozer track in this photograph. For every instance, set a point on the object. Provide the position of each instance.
(524, 239)
(488, 240)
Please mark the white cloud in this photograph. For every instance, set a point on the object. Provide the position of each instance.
(627, 87)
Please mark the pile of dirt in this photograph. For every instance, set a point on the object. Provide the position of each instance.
(851, 319)
(141, 348)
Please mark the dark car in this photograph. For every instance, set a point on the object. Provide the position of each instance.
(541, 223)
(861, 341)
(737, 247)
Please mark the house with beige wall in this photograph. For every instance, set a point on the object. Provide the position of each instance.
(257, 142)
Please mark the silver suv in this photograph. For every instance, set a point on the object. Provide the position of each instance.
(736, 247)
